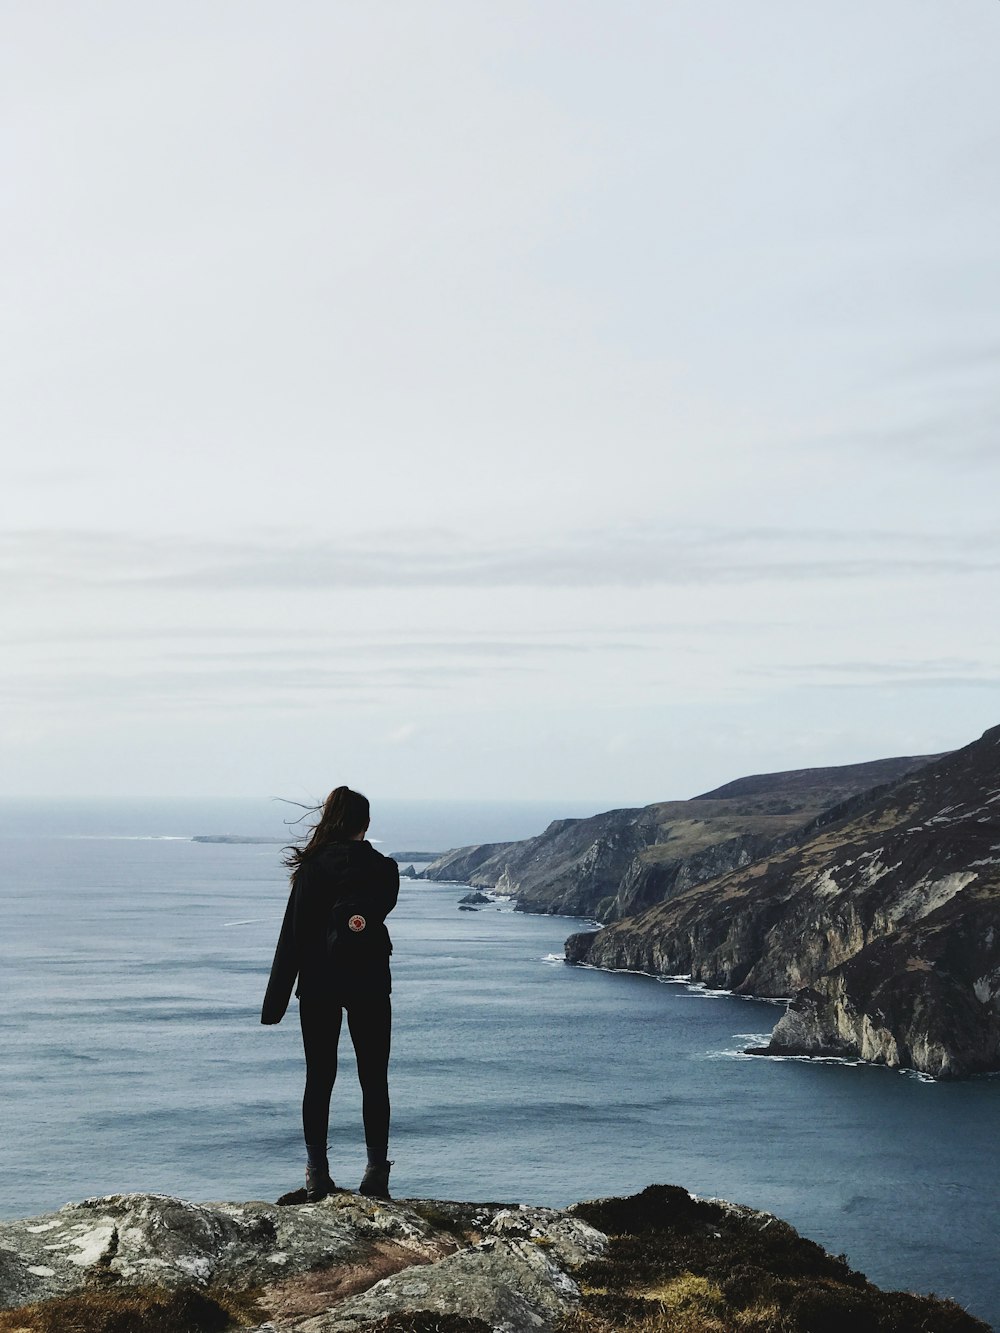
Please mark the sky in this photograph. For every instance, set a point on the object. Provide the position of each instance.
(556, 400)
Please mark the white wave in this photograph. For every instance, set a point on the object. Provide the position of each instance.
(847, 1061)
(695, 987)
(819, 1060)
(855, 1062)
(690, 987)
(737, 1053)
(553, 958)
(619, 971)
(918, 1075)
(250, 921)
(713, 992)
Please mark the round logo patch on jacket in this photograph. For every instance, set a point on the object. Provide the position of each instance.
(356, 923)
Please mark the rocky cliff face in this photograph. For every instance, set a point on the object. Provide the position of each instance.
(568, 869)
(884, 917)
(614, 864)
(352, 1265)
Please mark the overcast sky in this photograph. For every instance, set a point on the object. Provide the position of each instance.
(565, 400)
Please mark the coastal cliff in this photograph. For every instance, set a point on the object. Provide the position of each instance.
(614, 864)
(658, 1259)
(882, 918)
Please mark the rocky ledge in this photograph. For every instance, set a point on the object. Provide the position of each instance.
(656, 1260)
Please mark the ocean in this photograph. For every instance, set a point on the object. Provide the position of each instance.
(132, 1058)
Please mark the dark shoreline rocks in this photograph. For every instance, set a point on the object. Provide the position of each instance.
(355, 1265)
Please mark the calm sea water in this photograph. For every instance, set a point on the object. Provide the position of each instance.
(131, 1056)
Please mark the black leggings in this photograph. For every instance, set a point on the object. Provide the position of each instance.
(369, 1021)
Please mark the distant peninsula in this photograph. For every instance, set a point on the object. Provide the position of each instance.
(240, 838)
(615, 864)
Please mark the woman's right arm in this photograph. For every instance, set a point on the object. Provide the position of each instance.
(284, 969)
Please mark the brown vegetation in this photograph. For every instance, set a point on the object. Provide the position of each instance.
(114, 1309)
(679, 1265)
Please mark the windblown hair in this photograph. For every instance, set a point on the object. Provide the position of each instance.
(343, 815)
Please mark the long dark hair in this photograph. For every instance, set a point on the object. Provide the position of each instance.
(343, 815)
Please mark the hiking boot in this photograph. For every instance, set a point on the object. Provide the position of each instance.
(376, 1181)
(318, 1184)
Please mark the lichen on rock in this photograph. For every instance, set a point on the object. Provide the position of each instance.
(351, 1265)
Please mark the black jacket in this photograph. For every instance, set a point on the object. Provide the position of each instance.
(333, 937)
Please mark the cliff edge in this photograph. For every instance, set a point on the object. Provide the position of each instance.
(882, 920)
(661, 1259)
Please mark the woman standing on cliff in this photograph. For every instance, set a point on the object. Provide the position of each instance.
(334, 940)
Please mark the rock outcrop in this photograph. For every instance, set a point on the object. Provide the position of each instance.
(352, 1265)
(882, 918)
(614, 864)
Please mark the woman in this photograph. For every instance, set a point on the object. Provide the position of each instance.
(334, 940)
